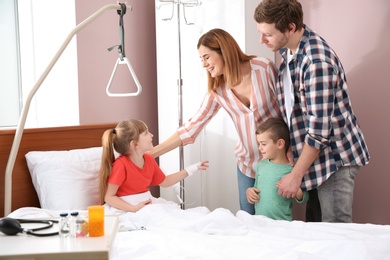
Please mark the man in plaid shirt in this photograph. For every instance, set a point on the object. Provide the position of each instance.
(327, 143)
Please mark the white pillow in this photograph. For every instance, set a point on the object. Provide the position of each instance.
(66, 180)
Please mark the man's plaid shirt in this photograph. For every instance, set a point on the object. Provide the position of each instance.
(322, 115)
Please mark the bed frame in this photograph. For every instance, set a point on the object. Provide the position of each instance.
(41, 139)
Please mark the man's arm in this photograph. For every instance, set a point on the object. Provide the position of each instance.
(290, 183)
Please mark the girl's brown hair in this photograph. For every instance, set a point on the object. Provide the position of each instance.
(223, 43)
(119, 139)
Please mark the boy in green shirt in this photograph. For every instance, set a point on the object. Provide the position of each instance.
(274, 140)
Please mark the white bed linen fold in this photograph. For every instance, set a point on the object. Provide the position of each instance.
(172, 233)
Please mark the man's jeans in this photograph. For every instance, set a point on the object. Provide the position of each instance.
(336, 195)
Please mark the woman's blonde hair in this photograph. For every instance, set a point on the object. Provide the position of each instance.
(223, 43)
(119, 139)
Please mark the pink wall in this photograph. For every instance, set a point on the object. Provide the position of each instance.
(357, 31)
(95, 63)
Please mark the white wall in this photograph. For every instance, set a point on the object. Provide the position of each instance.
(252, 36)
(217, 187)
(357, 31)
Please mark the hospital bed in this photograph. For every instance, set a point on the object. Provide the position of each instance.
(69, 157)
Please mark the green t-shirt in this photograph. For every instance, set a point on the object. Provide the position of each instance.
(271, 204)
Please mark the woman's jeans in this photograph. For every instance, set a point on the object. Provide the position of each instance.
(245, 182)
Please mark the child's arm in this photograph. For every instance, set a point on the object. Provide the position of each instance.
(116, 202)
(188, 171)
(252, 195)
(302, 196)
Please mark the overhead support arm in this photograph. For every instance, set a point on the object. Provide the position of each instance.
(26, 106)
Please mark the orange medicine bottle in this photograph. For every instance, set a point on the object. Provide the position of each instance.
(96, 221)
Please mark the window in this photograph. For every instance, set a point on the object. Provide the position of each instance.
(32, 31)
(10, 80)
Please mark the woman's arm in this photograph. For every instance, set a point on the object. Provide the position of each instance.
(166, 146)
(188, 132)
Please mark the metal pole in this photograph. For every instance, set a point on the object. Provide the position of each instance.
(180, 104)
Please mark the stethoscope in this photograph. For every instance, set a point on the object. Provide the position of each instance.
(11, 226)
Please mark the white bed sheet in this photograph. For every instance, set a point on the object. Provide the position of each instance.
(164, 231)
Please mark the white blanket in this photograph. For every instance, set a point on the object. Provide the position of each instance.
(171, 233)
(164, 231)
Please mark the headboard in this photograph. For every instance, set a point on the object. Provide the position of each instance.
(41, 139)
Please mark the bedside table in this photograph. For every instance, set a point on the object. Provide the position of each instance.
(24, 246)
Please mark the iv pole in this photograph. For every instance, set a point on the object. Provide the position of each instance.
(180, 105)
(23, 116)
(180, 80)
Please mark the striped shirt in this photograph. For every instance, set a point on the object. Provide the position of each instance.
(263, 105)
(322, 115)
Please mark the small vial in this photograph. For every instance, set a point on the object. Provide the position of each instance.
(72, 223)
(63, 225)
(80, 228)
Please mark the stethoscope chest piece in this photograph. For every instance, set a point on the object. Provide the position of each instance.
(11, 227)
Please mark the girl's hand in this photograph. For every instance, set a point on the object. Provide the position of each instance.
(203, 165)
(143, 204)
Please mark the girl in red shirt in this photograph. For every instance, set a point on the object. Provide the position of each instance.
(134, 170)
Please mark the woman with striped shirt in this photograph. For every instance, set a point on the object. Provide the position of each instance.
(243, 85)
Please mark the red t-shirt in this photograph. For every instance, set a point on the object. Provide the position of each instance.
(133, 180)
